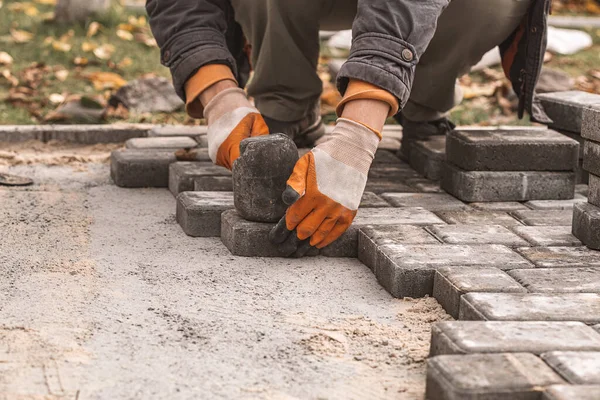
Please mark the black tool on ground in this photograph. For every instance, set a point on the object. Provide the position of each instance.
(14, 180)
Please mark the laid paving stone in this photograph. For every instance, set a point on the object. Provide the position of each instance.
(579, 367)
(183, 173)
(478, 218)
(450, 283)
(427, 157)
(476, 234)
(536, 337)
(429, 201)
(194, 154)
(488, 376)
(371, 237)
(213, 184)
(583, 307)
(547, 235)
(511, 150)
(572, 392)
(199, 213)
(582, 189)
(556, 204)
(379, 186)
(409, 270)
(586, 224)
(392, 172)
(565, 109)
(347, 244)
(499, 206)
(577, 137)
(590, 123)
(561, 257)
(247, 238)
(594, 190)
(164, 143)
(371, 200)
(140, 168)
(591, 158)
(581, 175)
(558, 280)
(389, 144)
(544, 217)
(477, 186)
(424, 185)
(385, 157)
(178, 130)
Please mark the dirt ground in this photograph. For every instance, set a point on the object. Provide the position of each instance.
(103, 296)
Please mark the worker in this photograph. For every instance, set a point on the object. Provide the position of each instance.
(406, 56)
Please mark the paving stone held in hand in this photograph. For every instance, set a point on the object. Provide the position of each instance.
(578, 367)
(511, 150)
(547, 235)
(544, 217)
(199, 213)
(450, 283)
(476, 234)
(561, 257)
(213, 184)
(591, 157)
(590, 123)
(594, 190)
(478, 186)
(409, 270)
(161, 143)
(260, 175)
(565, 109)
(427, 157)
(429, 201)
(141, 168)
(478, 218)
(502, 376)
(571, 392)
(558, 280)
(183, 173)
(586, 224)
(536, 337)
(583, 307)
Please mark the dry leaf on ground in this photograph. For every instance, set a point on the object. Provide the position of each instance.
(56, 98)
(5, 58)
(21, 36)
(46, 2)
(92, 29)
(106, 80)
(124, 35)
(104, 52)
(6, 74)
(61, 75)
(61, 46)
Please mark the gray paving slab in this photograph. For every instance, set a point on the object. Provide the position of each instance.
(450, 283)
(194, 154)
(213, 183)
(429, 201)
(499, 206)
(577, 137)
(594, 190)
(379, 185)
(183, 173)
(502, 376)
(583, 307)
(565, 109)
(558, 280)
(392, 172)
(511, 150)
(409, 270)
(478, 186)
(162, 143)
(140, 168)
(572, 392)
(424, 185)
(371, 237)
(94, 133)
(385, 157)
(556, 204)
(477, 234)
(178, 130)
(590, 123)
(199, 213)
(582, 189)
(536, 337)
(578, 367)
(347, 244)
(581, 175)
(547, 235)
(371, 200)
(478, 218)
(586, 224)
(427, 157)
(561, 257)
(544, 217)
(591, 157)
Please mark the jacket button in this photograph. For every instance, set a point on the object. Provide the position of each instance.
(167, 55)
(407, 55)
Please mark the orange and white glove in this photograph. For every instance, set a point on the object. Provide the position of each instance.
(325, 189)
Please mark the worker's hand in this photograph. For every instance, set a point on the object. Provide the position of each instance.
(231, 118)
(325, 189)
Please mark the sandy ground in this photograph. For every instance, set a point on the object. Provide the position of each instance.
(103, 296)
(54, 153)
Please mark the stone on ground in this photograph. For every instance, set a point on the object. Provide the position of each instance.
(199, 213)
(141, 168)
(183, 173)
(578, 367)
(161, 143)
(572, 392)
(565, 109)
(558, 280)
(586, 224)
(476, 234)
(547, 235)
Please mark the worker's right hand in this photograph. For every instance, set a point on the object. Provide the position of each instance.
(231, 118)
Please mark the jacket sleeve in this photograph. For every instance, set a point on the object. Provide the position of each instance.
(388, 39)
(191, 34)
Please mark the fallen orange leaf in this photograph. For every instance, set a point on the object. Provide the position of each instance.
(5, 58)
(20, 36)
(106, 80)
(92, 29)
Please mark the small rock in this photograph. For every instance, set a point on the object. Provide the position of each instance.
(147, 95)
(552, 80)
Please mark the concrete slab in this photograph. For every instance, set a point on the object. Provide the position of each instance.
(429, 201)
(582, 307)
(488, 376)
(199, 213)
(141, 168)
(476, 234)
(450, 283)
(565, 109)
(427, 157)
(371, 200)
(213, 184)
(559, 280)
(590, 123)
(478, 218)
(424, 185)
(379, 185)
(483, 186)
(499, 206)
(161, 143)
(178, 130)
(556, 204)
(536, 337)
(547, 235)
(385, 157)
(578, 367)
(586, 224)
(409, 270)
(571, 392)
(561, 257)
(594, 190)
(544, 217)
(511, 150)
(183, 173)
(591, 157)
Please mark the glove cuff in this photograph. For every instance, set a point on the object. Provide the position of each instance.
(224, 102)
(359, 90)
(205, 77)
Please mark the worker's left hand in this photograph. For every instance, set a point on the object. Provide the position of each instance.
(325, 189)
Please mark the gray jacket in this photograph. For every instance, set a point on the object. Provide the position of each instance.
(388, 39)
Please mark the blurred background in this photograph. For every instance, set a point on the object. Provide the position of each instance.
(95, 61)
